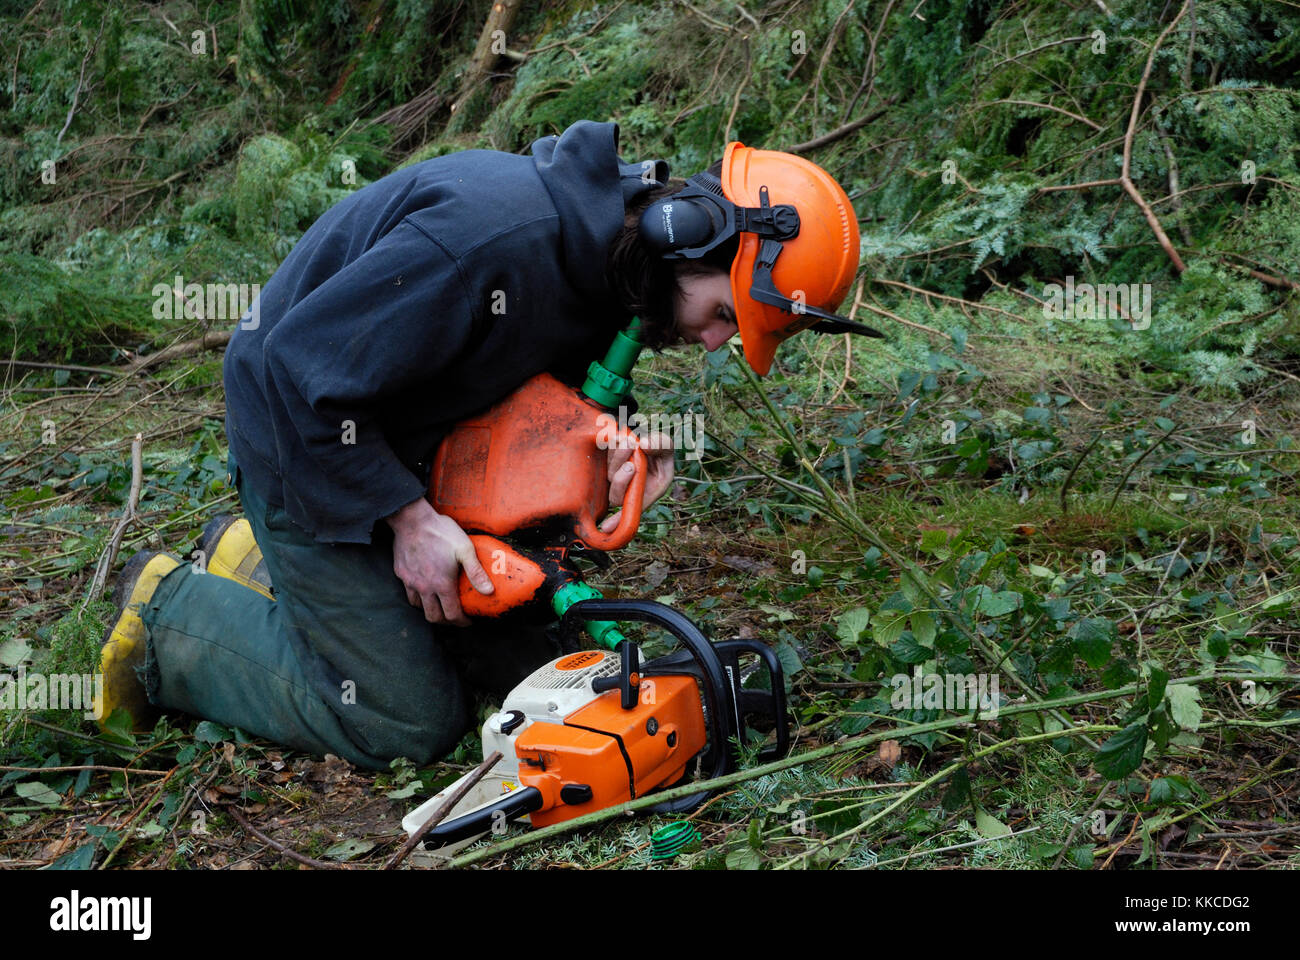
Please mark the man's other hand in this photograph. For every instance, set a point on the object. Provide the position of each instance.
(658, 449)
(428, 551)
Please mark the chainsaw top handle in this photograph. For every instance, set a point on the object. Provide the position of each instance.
(719, 698)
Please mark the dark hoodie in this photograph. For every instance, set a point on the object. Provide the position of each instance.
(417, 301)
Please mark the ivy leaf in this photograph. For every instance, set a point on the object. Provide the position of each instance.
(118, 727)
(406, 792)
(79, 859)
(350, 848)
(989, 826)
(1156, 684)
(909, 651)
(1169, 789)
(1093, 637)
(851, 724)
(744, 858)
(209, 732)
(789, 657)
(1122, 753)
(1058, 608)
(887, 626)
(1183, 706)
(14, 651)
(36, 792)
(851, 625)
(923, 627)
(1117, 674)
(1000, 604)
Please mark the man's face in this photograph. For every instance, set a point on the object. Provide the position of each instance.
(706, 311)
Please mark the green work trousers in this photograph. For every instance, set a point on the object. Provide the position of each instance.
(339, 662)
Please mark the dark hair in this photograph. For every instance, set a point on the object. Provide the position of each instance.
(646, 284)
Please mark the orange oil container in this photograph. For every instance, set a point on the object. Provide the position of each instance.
(537, 461)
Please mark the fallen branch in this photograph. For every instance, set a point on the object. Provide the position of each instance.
(908, 323)
(112, 371)
(211, 340)
(81, 77)
(1125, 179)
(943, 296)
(1047, 106)
(109, 556)
(1113, 182)
(445, 808)
(839, 132)
(1280, 282)
(87, 766)
(868, 84)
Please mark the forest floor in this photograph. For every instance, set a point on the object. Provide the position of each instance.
(1168, 552)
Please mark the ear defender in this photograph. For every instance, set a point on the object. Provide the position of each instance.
(687, 225)
(690, 223)
(680, 223)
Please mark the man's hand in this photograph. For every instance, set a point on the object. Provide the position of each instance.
(658, 449)
(428, 551)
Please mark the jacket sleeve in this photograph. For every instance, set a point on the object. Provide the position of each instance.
(394, 318)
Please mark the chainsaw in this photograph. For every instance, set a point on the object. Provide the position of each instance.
(528, 480)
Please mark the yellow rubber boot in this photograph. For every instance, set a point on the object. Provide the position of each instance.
(123, 651)
(230, 551)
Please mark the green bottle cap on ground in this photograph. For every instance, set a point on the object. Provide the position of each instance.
(667, 842)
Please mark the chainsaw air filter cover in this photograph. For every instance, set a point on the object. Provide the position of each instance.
(603, 754)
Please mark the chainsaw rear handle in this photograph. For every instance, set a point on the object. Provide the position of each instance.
(629, 517)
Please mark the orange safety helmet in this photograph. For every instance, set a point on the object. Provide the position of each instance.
(798, 243)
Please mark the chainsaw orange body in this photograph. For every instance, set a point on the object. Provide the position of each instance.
(610, 754)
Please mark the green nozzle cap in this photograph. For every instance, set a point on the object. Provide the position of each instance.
(605, 632)
(610, 382)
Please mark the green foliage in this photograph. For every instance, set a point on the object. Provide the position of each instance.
(281, 187)
(52, 313)
(77, 638)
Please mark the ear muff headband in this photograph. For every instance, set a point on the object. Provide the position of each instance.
(689, 224)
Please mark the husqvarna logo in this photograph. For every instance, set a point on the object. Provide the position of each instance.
(667, 210)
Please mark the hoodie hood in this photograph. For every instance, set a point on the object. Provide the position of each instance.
(591, 187)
